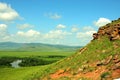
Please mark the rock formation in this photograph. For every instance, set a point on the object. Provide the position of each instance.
(112, 31)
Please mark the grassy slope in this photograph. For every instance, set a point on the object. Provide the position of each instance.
(95, 51)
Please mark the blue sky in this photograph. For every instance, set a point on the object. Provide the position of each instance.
(66, 22)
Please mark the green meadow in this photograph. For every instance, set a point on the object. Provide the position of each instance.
(36, 58)
(29, 54)
(23, 73)
(28, 72)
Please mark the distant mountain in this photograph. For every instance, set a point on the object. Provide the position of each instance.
(9, 45)
(12, 46)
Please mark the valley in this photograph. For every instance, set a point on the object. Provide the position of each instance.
(33, 61)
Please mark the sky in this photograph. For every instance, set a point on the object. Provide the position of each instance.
(64, 22)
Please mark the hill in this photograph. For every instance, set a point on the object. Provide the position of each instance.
(98, 60)
(11, 46)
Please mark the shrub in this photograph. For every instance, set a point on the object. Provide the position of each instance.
(104, 75)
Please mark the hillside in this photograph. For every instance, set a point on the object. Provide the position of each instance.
(11, 46)
(98, 60)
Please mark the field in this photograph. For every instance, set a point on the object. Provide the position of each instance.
(29, 72)
(35, 59)
(28, 54)
(24, 73)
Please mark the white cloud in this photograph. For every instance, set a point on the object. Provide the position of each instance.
(60, 26)
(85, 35)
(26, 37)
(7, 13)
(3, 30)
(74, 29)
(24, 26)
(52, 37)
(5, 38)
(4, 35)
(101, 22)
(88, 28)
(56, 34)
(3, 27)
(53, 15)
(30, 33)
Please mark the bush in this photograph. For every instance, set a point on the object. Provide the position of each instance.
(5, 61)
(104, 75)
(26, 61)
(34, 61)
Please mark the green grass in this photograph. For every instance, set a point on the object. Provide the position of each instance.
(29, 54)
(105, 74)
(28, 73)
(25, 73)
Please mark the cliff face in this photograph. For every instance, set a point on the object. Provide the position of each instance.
(111, 30)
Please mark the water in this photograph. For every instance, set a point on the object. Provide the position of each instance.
(15, 64)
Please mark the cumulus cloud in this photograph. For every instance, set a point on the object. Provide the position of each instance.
(24, 26)
(101, 22)
(85, 35)
(56, 34)
(7, 13)
(30, 33)
(51, 37)
(4, 35)
(6, 38)
(3, 27)
(60, 26)
(53, 15)
(3, 30)
(74, 29)
(22, 37)
(88, 28)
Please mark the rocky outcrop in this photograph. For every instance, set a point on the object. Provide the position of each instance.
(112, 30)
